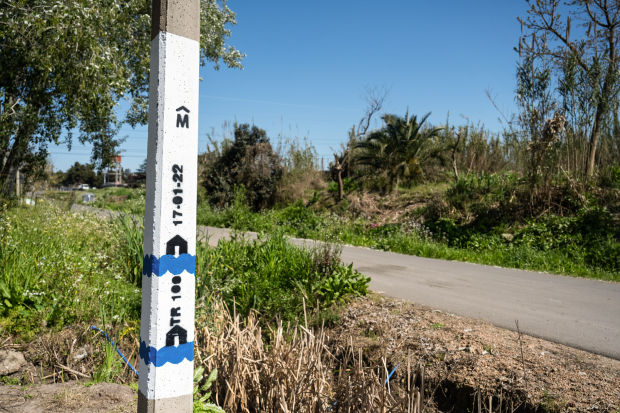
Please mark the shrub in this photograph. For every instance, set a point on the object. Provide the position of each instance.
(303, 172)
(348, 184)
(272, 276)
(611, 177)
(249, 161)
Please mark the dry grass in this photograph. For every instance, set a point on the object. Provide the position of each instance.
(300, 185)
(292, 369)
(441, 362)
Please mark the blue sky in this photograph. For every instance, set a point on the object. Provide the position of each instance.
(308, 63)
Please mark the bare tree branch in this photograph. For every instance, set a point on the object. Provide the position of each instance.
(375, 98)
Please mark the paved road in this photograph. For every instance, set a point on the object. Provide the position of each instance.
(576, 312)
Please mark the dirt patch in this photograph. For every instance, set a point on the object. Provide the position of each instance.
(67, 397)
(461, 354)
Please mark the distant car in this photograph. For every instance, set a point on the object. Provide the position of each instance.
(83, 187)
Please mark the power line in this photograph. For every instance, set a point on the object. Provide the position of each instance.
(88, 154)
(273, 103)
(279, 118)
(204, 137)
(136, 156)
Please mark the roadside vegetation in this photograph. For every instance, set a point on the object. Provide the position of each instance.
(495, 213)
(583, 245)
(536, 196)
(59, 268)
(62, 271)
(542, 195)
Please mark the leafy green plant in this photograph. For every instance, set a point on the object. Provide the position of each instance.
(343, 282)
(10, 381)
(200, 401)
(611, 177)
(273, 276)
(348, 184)
(130, 234)
(19, 282)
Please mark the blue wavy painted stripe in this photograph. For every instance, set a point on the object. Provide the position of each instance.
(151, 265)
(170, 354)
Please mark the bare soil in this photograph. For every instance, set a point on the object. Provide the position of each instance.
(67, 397)
(460, 354)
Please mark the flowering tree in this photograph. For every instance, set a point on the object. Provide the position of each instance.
(64, 66)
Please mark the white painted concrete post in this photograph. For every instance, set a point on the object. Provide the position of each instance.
(168, 281)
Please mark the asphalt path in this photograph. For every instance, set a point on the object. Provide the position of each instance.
(577, 312)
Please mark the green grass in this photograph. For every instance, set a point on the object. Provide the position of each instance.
(59, 268)
(582, 246)
(115, 199)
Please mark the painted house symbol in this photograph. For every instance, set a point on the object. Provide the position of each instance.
(176, 241)
(176, 331)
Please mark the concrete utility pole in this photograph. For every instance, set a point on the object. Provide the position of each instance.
(18, 184)
(167, 325)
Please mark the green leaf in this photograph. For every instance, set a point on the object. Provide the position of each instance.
(212, 377)
(198, 374)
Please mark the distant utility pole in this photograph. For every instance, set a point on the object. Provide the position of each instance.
(18, 185)
(167, 325)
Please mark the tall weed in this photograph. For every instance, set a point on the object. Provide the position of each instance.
(129, 232)
(272, 276)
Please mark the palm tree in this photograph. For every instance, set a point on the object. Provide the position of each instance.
(395, 147)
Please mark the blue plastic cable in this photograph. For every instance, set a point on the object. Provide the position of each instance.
(116, 348)
(390, 376)
(386, 380)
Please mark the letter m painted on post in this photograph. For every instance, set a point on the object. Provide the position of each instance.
(183, 121)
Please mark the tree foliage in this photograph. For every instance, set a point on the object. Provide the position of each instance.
(64, 66)
(591, 56)
(249, 161)
(82, 174)
(394, 148)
